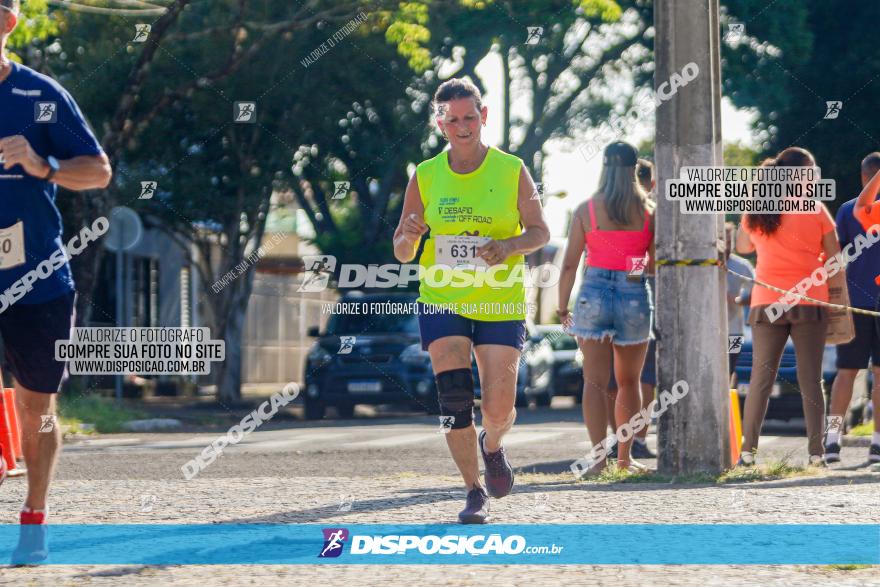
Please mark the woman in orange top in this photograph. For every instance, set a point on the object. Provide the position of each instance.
(790, 247)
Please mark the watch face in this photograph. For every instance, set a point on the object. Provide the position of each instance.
(53, 163)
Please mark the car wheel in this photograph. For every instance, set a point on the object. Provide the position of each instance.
(314, 409)
(345, 411)
(543, 399)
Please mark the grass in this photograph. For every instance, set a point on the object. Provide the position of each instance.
(863, 429)
(103, 412)
(764, 472)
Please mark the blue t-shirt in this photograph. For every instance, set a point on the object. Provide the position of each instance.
(860, 273)
(26, 108)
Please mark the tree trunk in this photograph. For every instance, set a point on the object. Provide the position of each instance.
(229, 376)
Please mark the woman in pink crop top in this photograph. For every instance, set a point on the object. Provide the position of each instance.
(613, 309)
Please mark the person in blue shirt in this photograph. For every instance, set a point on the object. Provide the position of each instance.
(44, 142)
(864, 293)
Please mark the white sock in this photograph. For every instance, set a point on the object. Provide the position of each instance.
(833, 429)
(876, 438)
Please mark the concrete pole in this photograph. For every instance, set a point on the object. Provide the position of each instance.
(692, 309)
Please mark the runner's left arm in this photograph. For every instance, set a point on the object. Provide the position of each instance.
(531, 214)
(85, 172)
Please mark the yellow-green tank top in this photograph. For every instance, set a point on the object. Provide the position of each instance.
(480, 203)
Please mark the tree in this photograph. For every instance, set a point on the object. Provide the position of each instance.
(563, 73)
(164, 109)
(811, 53)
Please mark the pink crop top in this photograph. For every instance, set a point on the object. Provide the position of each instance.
(612, 249)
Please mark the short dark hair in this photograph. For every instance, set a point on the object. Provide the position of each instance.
(456, 88)
(871, 163)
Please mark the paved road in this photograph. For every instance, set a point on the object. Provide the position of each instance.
(376, 469)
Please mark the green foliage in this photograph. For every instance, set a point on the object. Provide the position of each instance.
(408, 30)
(605, 10)
(104, 413)
(35, 24)
(738, 155)
(810, 53)
(863, 429)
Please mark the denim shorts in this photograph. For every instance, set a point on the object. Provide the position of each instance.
(611, 306)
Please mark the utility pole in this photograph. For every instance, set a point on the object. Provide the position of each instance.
(691, 300)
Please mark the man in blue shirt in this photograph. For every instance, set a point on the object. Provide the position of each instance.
(44, 142)
(864, 293)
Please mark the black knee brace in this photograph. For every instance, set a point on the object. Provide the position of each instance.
(455, 391)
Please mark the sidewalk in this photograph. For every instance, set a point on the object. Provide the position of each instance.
(824, 498)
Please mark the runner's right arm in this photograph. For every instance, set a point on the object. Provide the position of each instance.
(412, 223)
(867, 198)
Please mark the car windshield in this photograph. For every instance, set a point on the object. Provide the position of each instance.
(562, 342)
(354, 317)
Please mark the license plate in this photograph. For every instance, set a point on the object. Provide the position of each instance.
(457, 251)
(365, 386)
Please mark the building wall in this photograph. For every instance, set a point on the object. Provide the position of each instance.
(278, 317)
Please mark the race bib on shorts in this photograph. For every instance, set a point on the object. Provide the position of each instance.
(457, 251)
(12, 246)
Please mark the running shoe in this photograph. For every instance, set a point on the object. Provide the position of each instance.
(476, 510)
(33, 537)
(874, 453)
(640, 450)
(817, 461)
(746, 459)
(499, 473)
(832, 453)
(612, 452)
(30, 516)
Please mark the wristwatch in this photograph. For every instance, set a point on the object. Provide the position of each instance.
(54, 166)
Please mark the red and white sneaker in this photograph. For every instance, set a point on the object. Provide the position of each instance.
(33, 538)
(30, 516)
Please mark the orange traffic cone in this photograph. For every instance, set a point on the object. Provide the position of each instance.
(14, 424)
(735, 427)
(6, 434)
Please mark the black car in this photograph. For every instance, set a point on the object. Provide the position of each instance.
(785, 399)
(366, 358)
(369, 358)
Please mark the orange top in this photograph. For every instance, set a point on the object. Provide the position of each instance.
(789, 255)
(868, 216)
